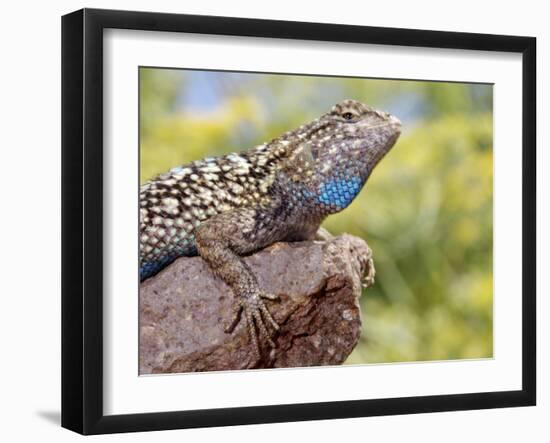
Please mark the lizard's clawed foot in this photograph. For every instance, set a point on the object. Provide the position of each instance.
(257, 315)
(368, 279)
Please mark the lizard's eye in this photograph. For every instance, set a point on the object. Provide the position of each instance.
(348, 116)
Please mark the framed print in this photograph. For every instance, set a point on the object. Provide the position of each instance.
(269, 221)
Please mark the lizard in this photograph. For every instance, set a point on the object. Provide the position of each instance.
(223, 208)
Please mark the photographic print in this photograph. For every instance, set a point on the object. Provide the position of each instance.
(290, 221)
(295, 220)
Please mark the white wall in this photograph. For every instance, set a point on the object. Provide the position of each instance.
(30, 244)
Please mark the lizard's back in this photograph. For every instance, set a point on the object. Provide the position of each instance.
(174, 204)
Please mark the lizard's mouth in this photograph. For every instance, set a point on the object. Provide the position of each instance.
(392, 122)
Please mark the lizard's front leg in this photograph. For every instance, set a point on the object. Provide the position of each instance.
(221, 241)
(323, 235)
(368, 280)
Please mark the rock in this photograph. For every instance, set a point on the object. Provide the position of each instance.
(184, 307)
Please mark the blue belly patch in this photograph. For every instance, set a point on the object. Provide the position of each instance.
(148, 269)
(340, 192)
(151, 268)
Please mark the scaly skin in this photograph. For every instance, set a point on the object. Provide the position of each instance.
(226, 207)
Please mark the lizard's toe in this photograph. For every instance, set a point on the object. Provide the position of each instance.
(269, 296)
(368, 279)
(267, 315)
(237, 310)
(260, 324)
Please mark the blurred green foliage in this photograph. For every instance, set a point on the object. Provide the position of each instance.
(426, 211)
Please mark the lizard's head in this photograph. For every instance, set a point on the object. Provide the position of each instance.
(346, 144)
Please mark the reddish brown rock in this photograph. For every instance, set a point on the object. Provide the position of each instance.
(184, 307)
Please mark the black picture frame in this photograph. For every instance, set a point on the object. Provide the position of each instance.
(82, 218)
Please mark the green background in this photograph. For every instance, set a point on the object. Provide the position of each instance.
(426, 211)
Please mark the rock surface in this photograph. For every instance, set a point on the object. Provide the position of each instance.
(184, 307)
